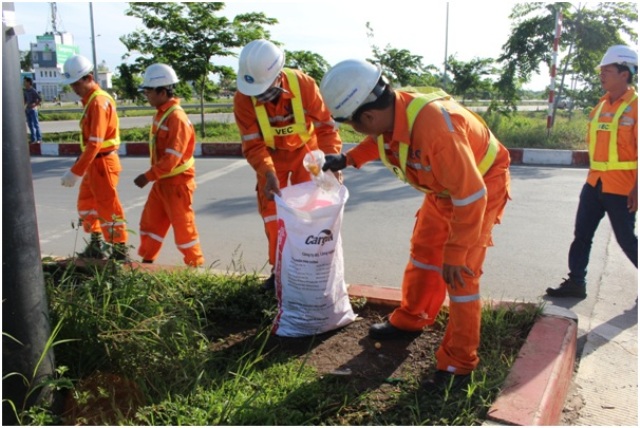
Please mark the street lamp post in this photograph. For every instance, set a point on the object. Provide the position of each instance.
(93, 44)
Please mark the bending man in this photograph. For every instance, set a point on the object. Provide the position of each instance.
(446, 151)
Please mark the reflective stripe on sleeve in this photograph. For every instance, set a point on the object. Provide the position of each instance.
(469, 199)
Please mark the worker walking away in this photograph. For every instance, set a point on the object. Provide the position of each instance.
(281, 117)
(612, 181)
(171, 145)
(98, 165)
(446, 151)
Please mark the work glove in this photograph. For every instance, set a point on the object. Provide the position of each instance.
(69, 179)
(334, 162)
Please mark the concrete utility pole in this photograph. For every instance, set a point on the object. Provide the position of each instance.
(93, 45)
(446, 48)
(25, 313)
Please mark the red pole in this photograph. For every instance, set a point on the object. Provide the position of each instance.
(552, 86)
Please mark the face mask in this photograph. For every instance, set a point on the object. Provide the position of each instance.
(270, 94)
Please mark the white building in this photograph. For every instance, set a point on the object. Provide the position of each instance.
(48, 56)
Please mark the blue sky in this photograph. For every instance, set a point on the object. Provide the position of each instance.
(334, 29)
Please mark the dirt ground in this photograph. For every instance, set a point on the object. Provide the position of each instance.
(349, 352)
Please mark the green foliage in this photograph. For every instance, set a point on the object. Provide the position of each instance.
(311, 63)
(400, 65)
(187, 35)
(587, 31)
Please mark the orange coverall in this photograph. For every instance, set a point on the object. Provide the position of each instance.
(286, 158)
(170, 199)
(445, 146)
(99, 206)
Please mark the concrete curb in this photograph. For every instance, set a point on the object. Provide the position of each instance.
(536, 388)
(575, 158)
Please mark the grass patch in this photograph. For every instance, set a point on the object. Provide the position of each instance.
(197, 349)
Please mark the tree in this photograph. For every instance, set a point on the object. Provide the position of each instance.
(468, 77)
(127, 82)
(587, 31)
(188, 36)
(26, 63)
(400, 65)
(311, 63)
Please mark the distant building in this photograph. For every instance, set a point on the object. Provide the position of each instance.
(48, 56)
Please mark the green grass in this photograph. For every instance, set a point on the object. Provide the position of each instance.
(522, 130)
(162, 331)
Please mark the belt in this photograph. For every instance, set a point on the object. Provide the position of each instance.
(99, 155)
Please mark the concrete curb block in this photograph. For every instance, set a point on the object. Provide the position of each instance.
(536, 388)
(576, 158)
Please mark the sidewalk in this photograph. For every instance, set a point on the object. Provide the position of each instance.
(574, 158)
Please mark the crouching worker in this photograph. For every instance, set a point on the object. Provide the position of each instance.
(171, 147)
(446, 151)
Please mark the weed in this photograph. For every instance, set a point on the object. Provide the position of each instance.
(198, 348)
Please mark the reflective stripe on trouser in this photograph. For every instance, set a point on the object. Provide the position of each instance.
(423, 286)
(289, 170)
(99, 206)
(170, 205)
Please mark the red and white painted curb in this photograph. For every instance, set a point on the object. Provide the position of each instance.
(577, 158)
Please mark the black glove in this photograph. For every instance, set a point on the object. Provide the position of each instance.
(335, 162)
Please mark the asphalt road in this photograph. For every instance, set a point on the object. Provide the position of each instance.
(529, 255)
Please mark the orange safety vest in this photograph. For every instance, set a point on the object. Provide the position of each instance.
(412, 113)
(152, 146)
(299, 125)
(613, 161)
(113, 142)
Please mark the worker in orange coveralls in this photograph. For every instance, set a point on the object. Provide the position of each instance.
(99, 207)
(446, 151)
(171, 146)
(281, 117)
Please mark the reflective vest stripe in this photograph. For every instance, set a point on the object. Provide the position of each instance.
(412, 113)
(613, 161)
(152, 146)
(299, 126)
(113, 142)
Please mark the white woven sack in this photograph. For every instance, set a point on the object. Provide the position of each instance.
(312, 294)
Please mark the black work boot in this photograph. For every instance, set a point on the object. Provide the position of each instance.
(385, 331)
(120, 253)
(568, 288)
(95, 248)
(443, 381)
(270, 283)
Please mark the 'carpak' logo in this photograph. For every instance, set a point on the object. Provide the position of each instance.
(324, 236)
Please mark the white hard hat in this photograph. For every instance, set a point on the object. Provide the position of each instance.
(349, 85)
(622, 55)
(260, 63)
(75, 68)
(158, 76)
